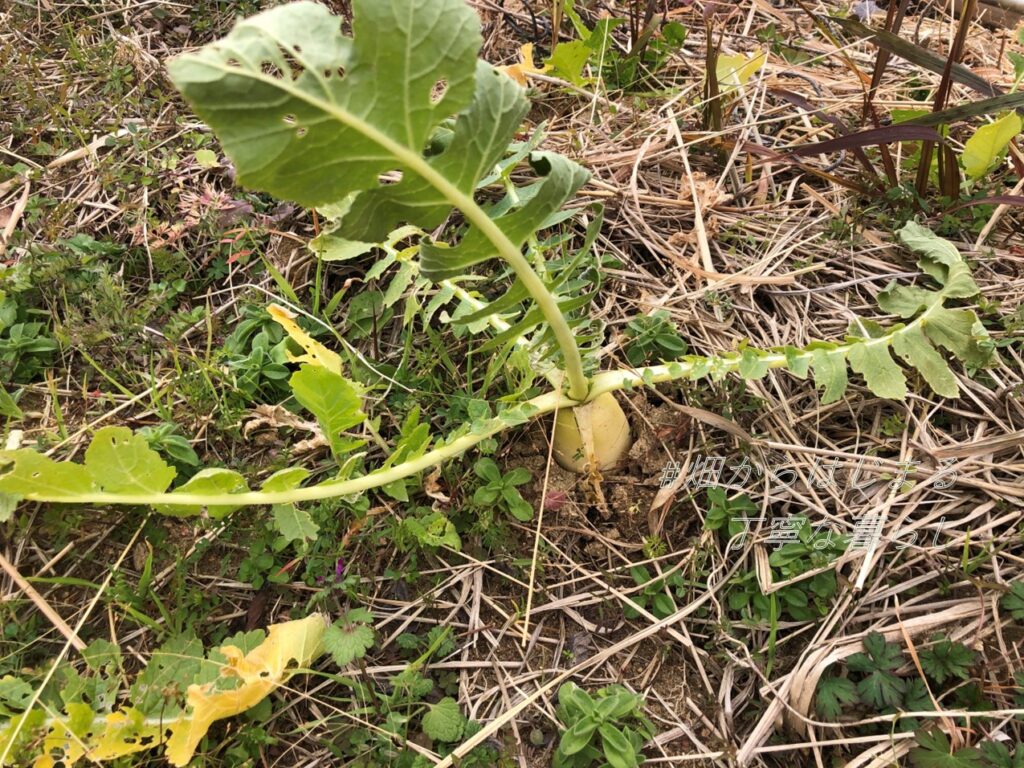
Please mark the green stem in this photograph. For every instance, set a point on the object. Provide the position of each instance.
(578, 384)
(540, 405)
(609, 381)
(625, 378)
(547, 370)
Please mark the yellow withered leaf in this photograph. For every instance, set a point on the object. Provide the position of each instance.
(269, 665)
(524, 66)
(100, 736)
(316, 353)
(734, 70)
(989, 143)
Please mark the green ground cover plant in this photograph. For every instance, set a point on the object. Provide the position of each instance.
(883, 679)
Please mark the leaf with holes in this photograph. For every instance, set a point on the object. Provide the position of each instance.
(116, 462)
(316, 354)
(30, 475)
(232, 680)
(253, 676)
(160, 688)
(121, 462)
(311, 115)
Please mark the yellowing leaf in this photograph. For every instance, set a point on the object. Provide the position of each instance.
(734, 70)
(99, 736)
(316, 353)
(269, 665)
(524, 66)
(988, 144)
(125, 732)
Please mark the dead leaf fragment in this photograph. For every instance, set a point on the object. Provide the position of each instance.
(524, 66)
(316, 353)
(288, 646)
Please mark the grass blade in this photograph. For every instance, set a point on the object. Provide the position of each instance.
(915, 54)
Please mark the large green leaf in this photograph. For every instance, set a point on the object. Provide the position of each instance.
(32, 476)
(867, 352)
(829, 373)
(872, 360)
(311, 115)
(941, 260)
(116, 462)
(960, 332)
(478, 140)
(914, 348)
(906, 300)
(561, 179)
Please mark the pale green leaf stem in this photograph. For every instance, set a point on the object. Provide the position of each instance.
(693, 367)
